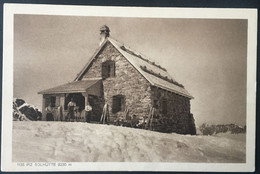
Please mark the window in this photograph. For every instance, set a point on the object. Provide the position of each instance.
(108, 69)
(164, 106)
(50, 100)
(155, 104)
(118, 103)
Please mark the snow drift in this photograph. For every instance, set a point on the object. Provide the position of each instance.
(83, 142)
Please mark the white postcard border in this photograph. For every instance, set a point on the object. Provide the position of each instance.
(68, 10)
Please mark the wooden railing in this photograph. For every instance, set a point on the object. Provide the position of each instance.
(62, 115)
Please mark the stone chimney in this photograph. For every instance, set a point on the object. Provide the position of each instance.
(104, 33)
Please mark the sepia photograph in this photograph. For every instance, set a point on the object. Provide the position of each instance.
(97, 87)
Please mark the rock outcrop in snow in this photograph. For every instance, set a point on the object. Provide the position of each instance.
(23, 111)
(206, 129)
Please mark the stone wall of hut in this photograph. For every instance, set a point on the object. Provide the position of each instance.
(140, 95)
(178, 117)
(127, 82)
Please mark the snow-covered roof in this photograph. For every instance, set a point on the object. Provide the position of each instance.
(155, 74)
(72, 87)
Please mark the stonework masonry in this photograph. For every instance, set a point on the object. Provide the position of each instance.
(178, 117)
(140, 95)
(127, 81)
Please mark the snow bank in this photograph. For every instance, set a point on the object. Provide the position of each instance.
(83, 142)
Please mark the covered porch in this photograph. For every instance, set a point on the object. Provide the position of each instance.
(82, 92)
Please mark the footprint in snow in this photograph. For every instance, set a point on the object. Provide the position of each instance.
(181, 145)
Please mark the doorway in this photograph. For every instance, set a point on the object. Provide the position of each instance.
(96, 109)
(78, 98)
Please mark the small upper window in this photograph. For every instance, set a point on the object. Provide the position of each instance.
(155, 104)
(118, 103)
(108, 69)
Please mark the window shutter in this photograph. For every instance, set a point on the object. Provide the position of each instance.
(104, 70)
(112, 69)
(114, 107)
(122, 103)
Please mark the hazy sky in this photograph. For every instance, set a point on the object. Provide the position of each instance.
(207, 56)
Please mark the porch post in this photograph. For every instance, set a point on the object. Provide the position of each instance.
(43, 108)
(86, 101)
(62, 104)
(86, 97)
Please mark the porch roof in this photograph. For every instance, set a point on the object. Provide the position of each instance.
(72, 87)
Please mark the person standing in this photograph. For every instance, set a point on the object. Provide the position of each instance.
(88, 110)
(49, 116)
(71, 107)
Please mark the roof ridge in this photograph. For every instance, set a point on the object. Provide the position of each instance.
(90, 60)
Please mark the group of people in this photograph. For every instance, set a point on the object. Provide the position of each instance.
(72, 111)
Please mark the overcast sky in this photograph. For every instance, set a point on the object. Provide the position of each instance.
(207, 56)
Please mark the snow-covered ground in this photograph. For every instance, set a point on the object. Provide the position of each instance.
(82, 142)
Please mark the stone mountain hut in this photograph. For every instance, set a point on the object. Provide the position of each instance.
(132, 86)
